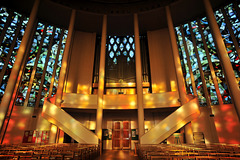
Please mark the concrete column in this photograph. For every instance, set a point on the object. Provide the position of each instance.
(138, 77)
(65, 59)
(179, 73)
(224, 58)
(63, 70)
(177, 61)
(17, 65)
(101, 79)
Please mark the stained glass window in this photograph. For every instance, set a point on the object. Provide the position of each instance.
(22, 92)
(120, 63)
(59, 62)
(194, 65)
(232, 53)
(183, 57)
(216, 62)
(204, 63)
(9, 47)
(3, 18)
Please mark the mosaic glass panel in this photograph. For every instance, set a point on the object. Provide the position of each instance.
(50, 66)
(232, 53)
(204, 62)
(183, 57)
(5, 49)
(194, 65)
(216, 62)
(59, 62)
(3, 18)
(41, 62)
(22, 92)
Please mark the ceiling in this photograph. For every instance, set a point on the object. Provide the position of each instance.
(151, 13)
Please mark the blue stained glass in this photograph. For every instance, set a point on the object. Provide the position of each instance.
(124, 40)
(232, 53)
(121, 47)
(59, 61)
(133, 46)
(130, 40)
(118, 53)
(231, 13)
(39, 71)
(118, 40)
(115, 47)
(216, 62)
(205, 66)
(115, 60)
(21, 96)
(125, 53)
(112, 40)
(131, 54)
(194, 65)
(183, 56)
(111, 54)
(128, 46)
(3, 18)
(109, 47)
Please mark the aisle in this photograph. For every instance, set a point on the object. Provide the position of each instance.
(117, 155)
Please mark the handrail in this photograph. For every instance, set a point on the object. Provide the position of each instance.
(172, 123)
(67, 123)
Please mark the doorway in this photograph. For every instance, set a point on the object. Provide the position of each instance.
(121, 135)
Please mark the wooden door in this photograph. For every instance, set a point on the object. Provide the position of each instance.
(121, 138)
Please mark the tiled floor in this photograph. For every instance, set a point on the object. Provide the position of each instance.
(117, 155)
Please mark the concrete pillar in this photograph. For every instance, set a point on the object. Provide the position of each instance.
(138, 77)
(63, 70)
(179, 73)
(17, 65)
(101, 79)
(224, 58)
(65, 59)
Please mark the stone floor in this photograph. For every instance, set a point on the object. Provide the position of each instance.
(117, 155)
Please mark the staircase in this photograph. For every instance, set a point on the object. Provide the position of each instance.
(67, 123)
(172, 123)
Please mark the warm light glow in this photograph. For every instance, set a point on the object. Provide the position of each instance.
(173, 86)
